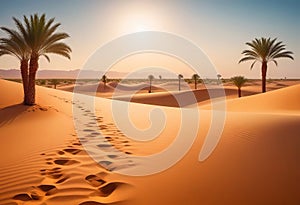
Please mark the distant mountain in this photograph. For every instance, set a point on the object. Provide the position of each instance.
(62, 74)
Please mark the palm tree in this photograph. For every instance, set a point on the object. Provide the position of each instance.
(239, 82)
(15, 46)
(151, 78)
(195, 77)
(54, 82)
(219, 77)
(265, 50)
(104, 80)
(41, 39)
(179, 79)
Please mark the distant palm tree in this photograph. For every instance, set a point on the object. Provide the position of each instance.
(219, 77)
(40, 37)
(104, 80)
(195, 77)
(151, 78)
(239, 82)
(265, 50)
(179, 79)
(16, 46)
(54, 82)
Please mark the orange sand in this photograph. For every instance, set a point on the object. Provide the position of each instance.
(255, 162)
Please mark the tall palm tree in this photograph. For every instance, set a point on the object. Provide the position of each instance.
(239, 82)
(265, 50)
(195, 77)
(179, 79)
(15, 46)
(41, 38)
(151, 78)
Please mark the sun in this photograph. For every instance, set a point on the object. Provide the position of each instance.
(139, 22)
(141, 28)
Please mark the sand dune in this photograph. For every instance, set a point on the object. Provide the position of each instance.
(98, 87)
(182, 98)
(43, 160)
(281, 100)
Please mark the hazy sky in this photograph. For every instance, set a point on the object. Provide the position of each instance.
(219, 27)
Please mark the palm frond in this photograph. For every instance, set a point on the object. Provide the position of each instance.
(252, 65)
(274, 61)
(47, 57)
(53, 39)
(287, 54)
(247, 58)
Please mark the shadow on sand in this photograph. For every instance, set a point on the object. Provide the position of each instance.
(10, 113)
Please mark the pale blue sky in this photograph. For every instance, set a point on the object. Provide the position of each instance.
(219, 27)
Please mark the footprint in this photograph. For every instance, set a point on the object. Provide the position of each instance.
(112, 156)
(60, 152)
(105, 163)
(54, 173)
(65, 161)
(94, 180)
(62, 180)
(104, 145)
(22, 197)
(35, 196)
(108, 189)
(73, 151)
(88, 130)
(46, 188)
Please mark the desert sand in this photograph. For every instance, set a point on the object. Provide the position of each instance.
(43, 161)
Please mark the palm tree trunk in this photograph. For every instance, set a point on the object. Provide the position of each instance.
(239, 92)
(195, 84)
(179, 84)
(33, 66)
(264, 75)
(150, 86)
(24, 74)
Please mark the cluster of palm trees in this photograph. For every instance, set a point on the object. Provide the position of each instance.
(34, 37)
